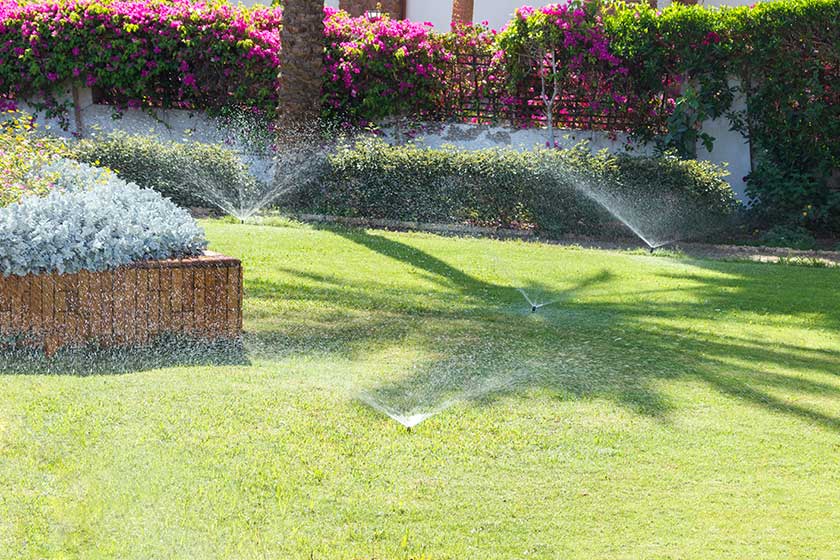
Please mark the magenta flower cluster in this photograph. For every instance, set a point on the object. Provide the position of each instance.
(381, 67)
(211, 55)
(176, 53)
(566, 44)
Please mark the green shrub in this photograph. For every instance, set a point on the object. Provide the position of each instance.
(787, 196)
(489, 187)
(174, 169)
(95, 221)
(24, 153)
(553, 191)
(791, 237)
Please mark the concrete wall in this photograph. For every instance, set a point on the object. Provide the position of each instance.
(477, 137)
(730, 148)
(166, 124)
(436, 12)
(499, 12)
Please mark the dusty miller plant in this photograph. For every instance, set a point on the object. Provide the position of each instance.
(94, 221)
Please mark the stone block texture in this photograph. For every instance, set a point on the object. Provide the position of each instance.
(394, 8)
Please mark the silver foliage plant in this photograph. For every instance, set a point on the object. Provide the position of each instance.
(93, 220)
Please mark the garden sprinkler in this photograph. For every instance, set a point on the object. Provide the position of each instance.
(534, 308)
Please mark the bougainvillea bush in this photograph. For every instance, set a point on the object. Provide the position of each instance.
(173, 54)
(381, 67)
(93, 221)
(563, 49)
(24, 154)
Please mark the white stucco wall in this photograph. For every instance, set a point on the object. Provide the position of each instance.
(498, 12)
(731, 149)
(437, 12)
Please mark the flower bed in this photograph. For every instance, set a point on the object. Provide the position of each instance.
(198, 297)
(98, 261)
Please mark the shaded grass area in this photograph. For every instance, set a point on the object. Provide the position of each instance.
(662, 407)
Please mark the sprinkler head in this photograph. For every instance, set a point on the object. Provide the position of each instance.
(652, 249)
(534, 309)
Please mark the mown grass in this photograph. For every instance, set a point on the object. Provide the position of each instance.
(663, 408)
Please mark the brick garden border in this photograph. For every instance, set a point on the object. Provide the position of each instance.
(199, 297)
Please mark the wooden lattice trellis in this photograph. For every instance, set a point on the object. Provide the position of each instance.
(200, 297)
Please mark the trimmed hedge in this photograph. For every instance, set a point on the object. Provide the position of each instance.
(171, 168)
(552, 191)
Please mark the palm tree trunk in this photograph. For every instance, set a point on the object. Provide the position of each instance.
(462, 11)
(301, 72)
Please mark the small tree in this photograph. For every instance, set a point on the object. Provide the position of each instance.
(549, 80)
(543, 62)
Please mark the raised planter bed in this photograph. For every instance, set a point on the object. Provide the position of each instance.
(198, 297)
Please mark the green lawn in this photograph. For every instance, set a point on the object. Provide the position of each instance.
(663, 408)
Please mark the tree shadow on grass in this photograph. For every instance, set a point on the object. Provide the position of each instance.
(494, 349)
(435, 268)
(623, 363)
(576, 349)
